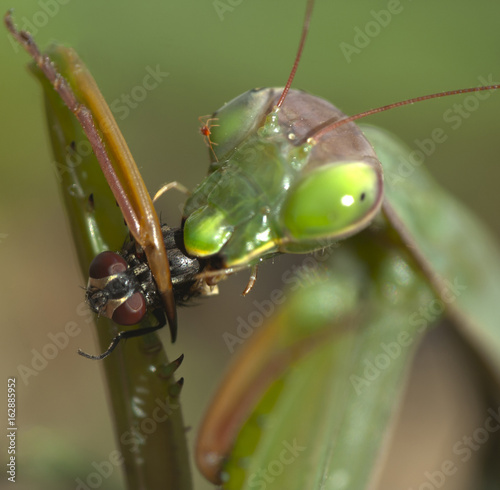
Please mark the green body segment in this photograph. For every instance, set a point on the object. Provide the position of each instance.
(238, 203)
(268, 191)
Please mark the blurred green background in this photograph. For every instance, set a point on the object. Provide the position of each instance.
(428, 47)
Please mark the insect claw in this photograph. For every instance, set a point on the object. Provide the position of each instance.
(171, 319)
(172, 326)
(251, 280)
(107, 352)
(205, 122)
(171, 185)
(159, 314)
(88, 356)
(208, 290)
(128, 334)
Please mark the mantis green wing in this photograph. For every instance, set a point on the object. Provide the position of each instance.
(325, 416)
(459, 257)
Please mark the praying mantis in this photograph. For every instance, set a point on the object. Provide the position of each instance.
(391, 98)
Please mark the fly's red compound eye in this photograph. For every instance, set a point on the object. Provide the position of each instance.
(132, 311)
(107, 264)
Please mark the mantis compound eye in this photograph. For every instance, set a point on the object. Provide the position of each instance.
(333, 201)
